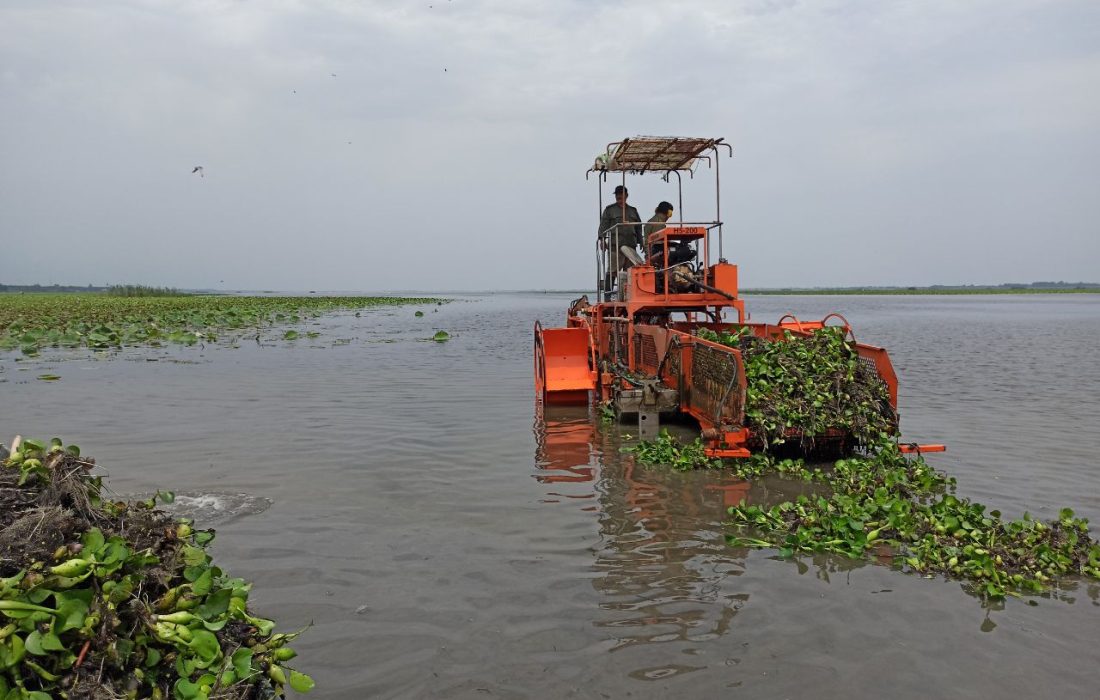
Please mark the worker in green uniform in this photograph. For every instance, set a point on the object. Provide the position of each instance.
(616, 237)
(657, 222)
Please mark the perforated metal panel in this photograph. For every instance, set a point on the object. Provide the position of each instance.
(715, 385)
(645, 350)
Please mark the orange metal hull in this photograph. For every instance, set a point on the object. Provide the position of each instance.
(632, 346)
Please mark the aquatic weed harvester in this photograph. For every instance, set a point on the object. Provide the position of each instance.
(669, 335)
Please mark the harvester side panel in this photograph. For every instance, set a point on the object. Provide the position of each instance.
(566, 364)
(715, 384)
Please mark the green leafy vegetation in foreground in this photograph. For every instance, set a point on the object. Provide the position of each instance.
(105, 599)
(881, 503)
(33, 322)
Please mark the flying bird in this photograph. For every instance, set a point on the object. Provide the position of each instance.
(198, 169)
(332, 74)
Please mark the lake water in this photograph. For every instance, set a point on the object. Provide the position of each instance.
(401, 496)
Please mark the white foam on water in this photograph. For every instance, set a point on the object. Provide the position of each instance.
(213, 508)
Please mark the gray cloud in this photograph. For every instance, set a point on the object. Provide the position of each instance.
(876, 142)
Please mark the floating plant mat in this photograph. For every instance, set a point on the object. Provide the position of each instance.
(110, 599)
(31, 322)
(890, 506)
(882, 502)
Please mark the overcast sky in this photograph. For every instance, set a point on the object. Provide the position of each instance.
(442, 144)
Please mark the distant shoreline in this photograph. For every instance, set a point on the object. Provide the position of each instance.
(937, 290)
(919, 291)
(875, 291)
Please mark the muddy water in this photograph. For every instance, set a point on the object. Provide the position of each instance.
(401, 496)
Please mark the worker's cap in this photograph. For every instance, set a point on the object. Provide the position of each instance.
(619, 189)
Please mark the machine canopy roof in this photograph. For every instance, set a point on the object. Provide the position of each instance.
(660, 153)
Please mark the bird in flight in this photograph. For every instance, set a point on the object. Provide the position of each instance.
(198, 169)
(332, 74)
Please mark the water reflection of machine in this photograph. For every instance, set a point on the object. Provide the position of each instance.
(666, 574)
(564, 437)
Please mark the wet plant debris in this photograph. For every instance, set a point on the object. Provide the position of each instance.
(107, 599)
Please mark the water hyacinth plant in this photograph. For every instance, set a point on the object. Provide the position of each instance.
(880, 503)
(809, 386)
(669, 451)
(109, 599)
(31, 322)
(898, 508)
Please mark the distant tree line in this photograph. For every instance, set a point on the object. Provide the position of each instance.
(115, 290)
(140, 290)
(1051, 285)
(49, 288)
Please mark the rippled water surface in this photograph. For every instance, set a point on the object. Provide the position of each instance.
(401, 495)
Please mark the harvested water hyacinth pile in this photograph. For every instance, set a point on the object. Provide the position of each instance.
(880, 503)
(809, 386)
(106, 599)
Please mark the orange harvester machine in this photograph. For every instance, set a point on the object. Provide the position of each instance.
(635, 348)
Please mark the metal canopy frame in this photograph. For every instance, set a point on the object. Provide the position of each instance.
(662, 154)
(642, 154)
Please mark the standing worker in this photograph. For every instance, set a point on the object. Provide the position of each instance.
(618, 236)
